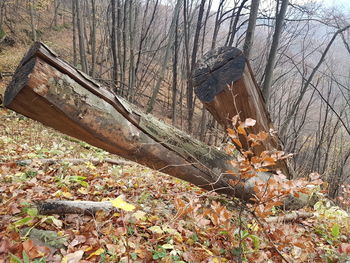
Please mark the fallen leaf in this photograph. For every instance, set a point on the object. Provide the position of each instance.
(74, 257)
(156, 229)
(140, 215)
(96, 253)
(120, 203)
(344, 248)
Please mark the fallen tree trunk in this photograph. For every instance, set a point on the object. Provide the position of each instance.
(47, 89)
(225, 84)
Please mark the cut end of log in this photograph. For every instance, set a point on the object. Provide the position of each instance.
(215, 70)
(19, 80)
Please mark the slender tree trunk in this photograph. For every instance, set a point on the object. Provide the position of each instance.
(82, 50)
(114, 46)
(93, 39)
(190, 102)
(273, 50)
(249, 38)
(123, 67)
(56, 6)
(174, 84)
(32, 19)
(217, 24)
(131, 24)
(171, 34)
(203, 124)
(85, 13)
(2, 14)
(119, 46)
(74, 33)
(235, 23)
(205, 25)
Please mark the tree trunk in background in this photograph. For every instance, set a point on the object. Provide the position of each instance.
(2, 14)
(123, 63)
(119, 48)
(74, 25)
(56, 6)
(205, 25)
(85, 14)
(82, 50)
(32, 19)
(131, 23)
(203, 124)
(225, 84)
(190, 102)
(249, 37)
(273, 50)
(174, 84)
(233, 28)
(171, 34)
(217, 24)
(93, 39)
(114, 47)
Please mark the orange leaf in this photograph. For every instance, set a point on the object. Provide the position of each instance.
(231, 132)
(241, 130)
(268, 161)
(247, 175)
(237, 142)
(261, 136)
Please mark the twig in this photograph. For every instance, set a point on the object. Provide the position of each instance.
(69, 160)
(289, 217)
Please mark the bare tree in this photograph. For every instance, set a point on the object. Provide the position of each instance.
(114, 44)
(251, 28)
(82, 49)
(273, 50)
(32, 19)
(190, 102)
(93, 38)
(171, 34)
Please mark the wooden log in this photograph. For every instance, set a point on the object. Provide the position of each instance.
(225, 84)
(63, 207)
(47, 89)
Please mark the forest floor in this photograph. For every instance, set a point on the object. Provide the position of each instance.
(163, 219)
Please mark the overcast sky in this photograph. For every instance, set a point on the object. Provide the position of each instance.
(328, 3)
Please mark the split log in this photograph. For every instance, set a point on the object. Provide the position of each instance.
(47, 89)
(62, 207)
(225, 84)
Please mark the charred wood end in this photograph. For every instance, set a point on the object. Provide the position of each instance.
(215, 70)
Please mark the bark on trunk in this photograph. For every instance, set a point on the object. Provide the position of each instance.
(225, 84)
(47, 89)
